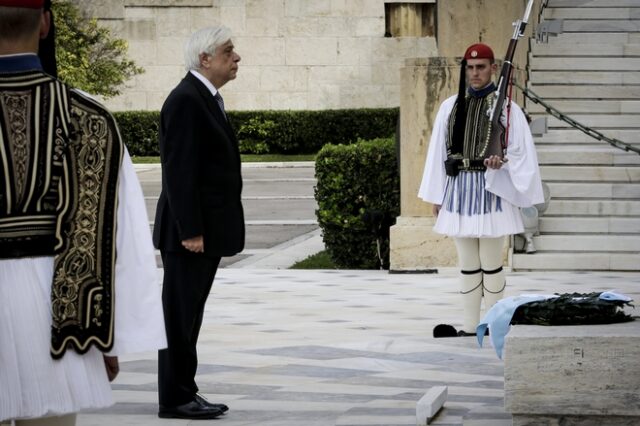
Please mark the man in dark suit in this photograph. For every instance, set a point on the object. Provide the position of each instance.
(199, 217)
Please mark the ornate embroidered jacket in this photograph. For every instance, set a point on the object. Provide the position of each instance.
(60, 155)
(477, 128)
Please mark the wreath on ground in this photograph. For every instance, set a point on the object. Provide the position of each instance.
(572, 309)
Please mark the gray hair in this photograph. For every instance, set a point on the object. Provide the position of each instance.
(205, 40)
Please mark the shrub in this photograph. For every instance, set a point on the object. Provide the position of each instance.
(253, 136)
(139, 130)
(277, 132)
(305, 132)
(358, 195)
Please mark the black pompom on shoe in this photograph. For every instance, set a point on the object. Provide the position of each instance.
(444, 330)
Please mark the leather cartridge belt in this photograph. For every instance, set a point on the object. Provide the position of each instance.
(467, 164)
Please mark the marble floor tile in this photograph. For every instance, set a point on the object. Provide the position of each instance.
(328, 348)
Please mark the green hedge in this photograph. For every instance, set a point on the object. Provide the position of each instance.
(275, 132)
(305, 132)
(139, 130)
(358, 195)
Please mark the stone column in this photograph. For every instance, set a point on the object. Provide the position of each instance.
(425, 83)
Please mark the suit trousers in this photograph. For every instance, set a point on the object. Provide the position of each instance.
(188, 278)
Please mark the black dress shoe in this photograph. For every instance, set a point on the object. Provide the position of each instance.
(191, 410)
(203, 401)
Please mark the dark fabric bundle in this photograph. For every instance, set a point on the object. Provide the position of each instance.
(461, 113)
(572, 309)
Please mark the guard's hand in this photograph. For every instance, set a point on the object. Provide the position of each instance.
(195, 244)
(494, 162)
(112, 366)
(435, 209)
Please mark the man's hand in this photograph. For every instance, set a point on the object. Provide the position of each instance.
(494, 162)
(112, 366)
(435, 209)
(195, 244)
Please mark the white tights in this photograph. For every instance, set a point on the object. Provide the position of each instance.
(66, 420)
(480, 261)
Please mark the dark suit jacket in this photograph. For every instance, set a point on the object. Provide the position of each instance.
(201, 178)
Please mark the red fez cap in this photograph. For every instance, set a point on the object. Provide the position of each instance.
(479, 51)
(28, 4)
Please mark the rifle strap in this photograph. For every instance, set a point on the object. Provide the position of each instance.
(506, 131)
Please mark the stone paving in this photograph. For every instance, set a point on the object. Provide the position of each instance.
(343, 348)
(329, 348)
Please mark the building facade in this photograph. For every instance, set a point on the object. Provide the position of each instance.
(296, 54)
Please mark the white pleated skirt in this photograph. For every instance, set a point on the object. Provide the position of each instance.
(469, 211)
(32, 384)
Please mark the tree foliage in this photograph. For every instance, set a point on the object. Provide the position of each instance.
(88, 55)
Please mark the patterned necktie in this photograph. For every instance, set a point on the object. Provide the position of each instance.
(220, 102)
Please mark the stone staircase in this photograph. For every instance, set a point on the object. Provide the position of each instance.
(590, 73)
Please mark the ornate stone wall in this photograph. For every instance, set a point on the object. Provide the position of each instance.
(296, 54)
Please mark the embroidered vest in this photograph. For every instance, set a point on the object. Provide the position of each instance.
(476, 134)
(60, 155)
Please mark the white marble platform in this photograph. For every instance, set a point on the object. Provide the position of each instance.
(588, 373)
(323, 348)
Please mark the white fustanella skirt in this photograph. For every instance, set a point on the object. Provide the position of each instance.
(32, 384)
(470, 211)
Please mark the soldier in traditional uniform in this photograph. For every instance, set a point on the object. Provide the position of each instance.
(476, 197)
(77, 267)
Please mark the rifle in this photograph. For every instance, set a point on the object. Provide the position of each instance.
(495, 137)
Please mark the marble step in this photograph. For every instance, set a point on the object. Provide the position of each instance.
(587, 155)
(592, 3)
(589, 225)
(571, 207)
(595, 143)
(600, 25)
(595, 38)
(592, 13)
(588, 243)
(596, 121)
(585, 64)
(574, 136)
(619, 174)
(587, 106)
(596, 50)
(577, 261)
(595, 92)
(595, 190)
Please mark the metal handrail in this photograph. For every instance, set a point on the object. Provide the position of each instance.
(573, 123)
(543, 6)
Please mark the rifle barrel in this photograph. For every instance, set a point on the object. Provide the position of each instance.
(527, 12)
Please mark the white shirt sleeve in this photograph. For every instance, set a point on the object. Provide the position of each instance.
(139, 319)
(518, 181)
(434, 176)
